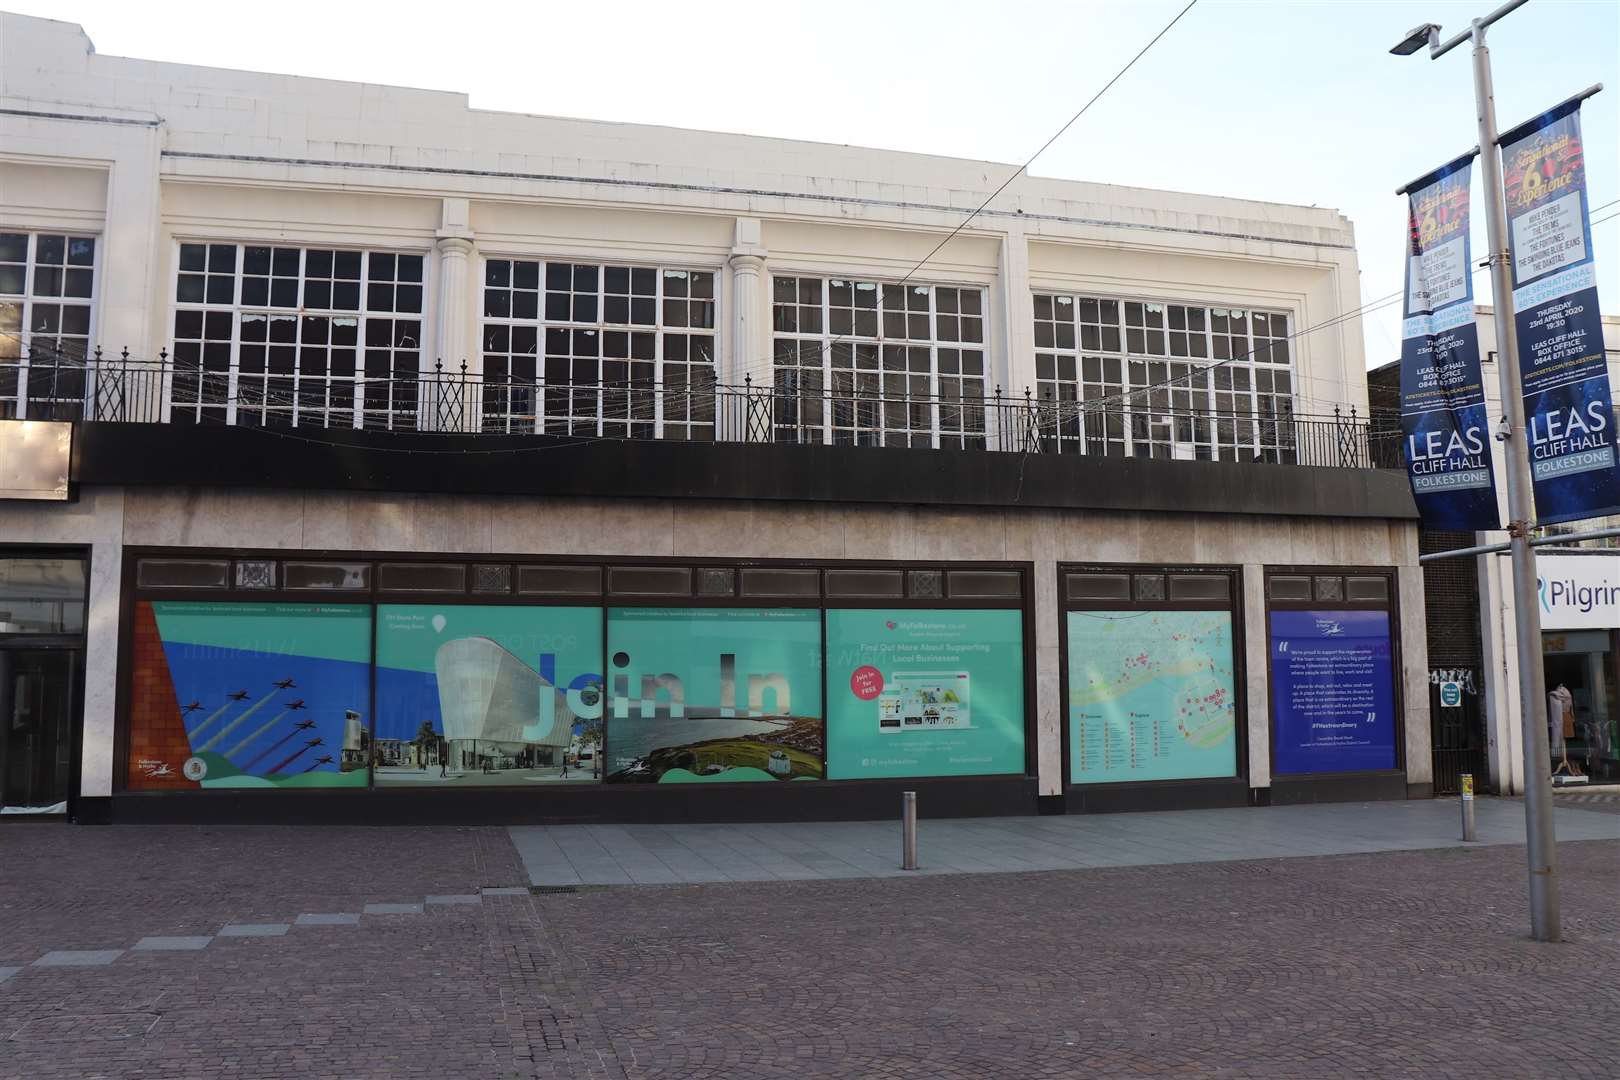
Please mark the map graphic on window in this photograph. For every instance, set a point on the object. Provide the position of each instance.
(1151, 696)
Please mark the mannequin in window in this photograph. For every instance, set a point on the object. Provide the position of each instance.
(1561, 728)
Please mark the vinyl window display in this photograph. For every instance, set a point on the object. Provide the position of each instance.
(241, 695)
(476, 695)
(529, 675)
(935, 692)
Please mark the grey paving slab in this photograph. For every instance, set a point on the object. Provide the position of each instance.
(505, 890)
(393, 909)
(456, 898)
(665, 854)
(336, 918)
(274, 929)
(8, 972)
(78, 957)
(187, 943)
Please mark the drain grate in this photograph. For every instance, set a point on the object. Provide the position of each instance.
(554, 890)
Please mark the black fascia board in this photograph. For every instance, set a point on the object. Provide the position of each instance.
(170, 455)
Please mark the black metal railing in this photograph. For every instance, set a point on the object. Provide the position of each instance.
(122, 389)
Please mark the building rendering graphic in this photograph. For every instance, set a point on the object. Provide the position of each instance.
(450, 415)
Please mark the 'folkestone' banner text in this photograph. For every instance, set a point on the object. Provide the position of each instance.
(1448, 449)
(1567, 406)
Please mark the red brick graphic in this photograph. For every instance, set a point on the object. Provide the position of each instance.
(158, 746)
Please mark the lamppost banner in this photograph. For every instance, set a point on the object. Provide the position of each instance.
(1447, 434)
(1567, 404)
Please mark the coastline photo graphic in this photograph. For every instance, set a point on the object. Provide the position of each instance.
(706, 695)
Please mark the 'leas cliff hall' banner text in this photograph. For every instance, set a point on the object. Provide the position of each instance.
(1443, 421)
(1567, 405)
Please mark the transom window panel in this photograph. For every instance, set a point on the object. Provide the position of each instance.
(47, 291)
(276, 336)
(872, 363)
(1139, 378)
(590, 349)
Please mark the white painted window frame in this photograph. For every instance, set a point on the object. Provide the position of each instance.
(25, 334)
(599, 420)
(826, 338)
(1207, 363)
(237, 309)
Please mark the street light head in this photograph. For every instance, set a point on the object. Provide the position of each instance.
(1419, 37)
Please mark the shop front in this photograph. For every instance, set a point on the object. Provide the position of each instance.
(1580, 621)
(569, 687)
(780, 641)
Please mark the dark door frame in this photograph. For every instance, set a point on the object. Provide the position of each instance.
(71, 642)
(73, 647)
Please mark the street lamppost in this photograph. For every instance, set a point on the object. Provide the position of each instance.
(1545, 917)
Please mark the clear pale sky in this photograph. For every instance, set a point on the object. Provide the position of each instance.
(1293, 102)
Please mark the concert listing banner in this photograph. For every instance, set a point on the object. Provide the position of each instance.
(1567, 403)
(1443, 417)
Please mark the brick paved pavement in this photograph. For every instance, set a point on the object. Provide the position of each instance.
(1397, 964)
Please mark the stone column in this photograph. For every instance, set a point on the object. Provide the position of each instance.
(452, 336)
(749, 351)
(1013, 305)
(105, 506)
(1256, 654)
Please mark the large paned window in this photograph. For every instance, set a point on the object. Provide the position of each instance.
(872, 363)
(47, 288)
(1144, 379)
(589, 349)
(268, 336)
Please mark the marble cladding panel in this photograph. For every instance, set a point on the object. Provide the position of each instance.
(961, 535)
(759, 530)
(1048, 720)
(1045, 586)
(214, 517)
(1098, 537)
(1242, 538)
(1255, 655)
(1032, 535)
(101, 668)
(1414, 645)
(96, 516)
(880, 532)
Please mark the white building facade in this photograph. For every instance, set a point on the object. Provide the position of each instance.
(381, 336)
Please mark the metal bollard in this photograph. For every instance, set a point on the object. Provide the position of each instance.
(1469, 833)
(908, 830)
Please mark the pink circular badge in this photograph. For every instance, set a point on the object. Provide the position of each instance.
(866, 682)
